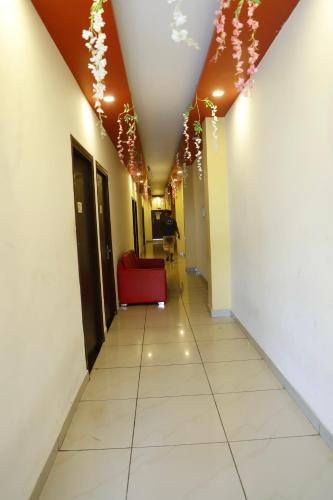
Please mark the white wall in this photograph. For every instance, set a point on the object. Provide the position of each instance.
(42, 351)
(280, 153)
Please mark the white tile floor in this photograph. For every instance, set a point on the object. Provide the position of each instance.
(180, 406)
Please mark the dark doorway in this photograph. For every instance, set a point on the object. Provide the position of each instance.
(143, 227)
(87, 249)
(157, 225)
(105, 238)
(135, 227)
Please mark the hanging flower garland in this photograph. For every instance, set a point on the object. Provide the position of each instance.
(173, 185)
(242, 83)
(95, 42)
(179, 33)
(253, 48)
(219, 23)
(197, 129)
(129, 118)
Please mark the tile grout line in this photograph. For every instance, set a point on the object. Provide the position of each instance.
(182, 395)
(272, 438)
(135, 411)
(220, 417)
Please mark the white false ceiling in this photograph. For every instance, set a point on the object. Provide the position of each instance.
(162, 74)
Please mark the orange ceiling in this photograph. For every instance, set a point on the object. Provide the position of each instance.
(65, 21)
(271, 14)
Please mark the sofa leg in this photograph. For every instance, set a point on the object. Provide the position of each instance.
(161, 305)
(123, 306)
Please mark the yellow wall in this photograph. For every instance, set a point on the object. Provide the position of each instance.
(158, 202)
(196, 243)
(217, 218)
(179, 204)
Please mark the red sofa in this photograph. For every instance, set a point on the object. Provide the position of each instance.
(141, 280)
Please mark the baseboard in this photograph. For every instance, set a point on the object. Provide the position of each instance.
(301, 403)
(60, 438)
(193, 270)
(221, 313)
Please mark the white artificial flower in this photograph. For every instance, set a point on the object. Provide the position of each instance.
(100, 74)
(86, 34)
(98, 23)
(179, 18)
(179, 35)
(99, 89)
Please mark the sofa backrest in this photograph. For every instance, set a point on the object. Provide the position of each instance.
(130, 260)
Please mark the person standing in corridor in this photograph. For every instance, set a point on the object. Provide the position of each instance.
(170, 230)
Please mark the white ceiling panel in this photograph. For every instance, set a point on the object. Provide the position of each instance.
(162, 74)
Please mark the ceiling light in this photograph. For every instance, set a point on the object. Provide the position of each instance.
(218, 93)
(138, 174)
(179, 172)
(109, 98)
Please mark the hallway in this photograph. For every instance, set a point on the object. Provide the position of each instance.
(180, 405)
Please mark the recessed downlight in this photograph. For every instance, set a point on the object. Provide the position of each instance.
(218, 93)
(109, 98)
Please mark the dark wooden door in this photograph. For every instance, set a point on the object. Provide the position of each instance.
(87, 249)
(135, 227)
(143, 227)
(109, 290)
(157, 225)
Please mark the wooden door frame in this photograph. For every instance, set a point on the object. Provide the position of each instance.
(76, 146)
(135, 226)
(102, 171)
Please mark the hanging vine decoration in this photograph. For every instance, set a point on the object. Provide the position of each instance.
(219, 23)
(95, 42)
(129, 118)
(173, 185)
(187, 152)
(197, 130)
(242, 83)
(179, 33)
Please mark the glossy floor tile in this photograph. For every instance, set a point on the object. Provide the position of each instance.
(88, 475)
(205, 319)
(195, 472)
(156, 381)
(175, 353)
(124, 337)
(220, 331)
(168, 335)
(180, 406)
(157, 321)
(120, 356)
(100, 425)
(227, 350)
(177, 420)
(261, 414)
(285, 469)
(128, 321)
(241, 376)
(117, 383)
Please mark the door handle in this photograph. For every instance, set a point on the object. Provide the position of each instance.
(108, 252)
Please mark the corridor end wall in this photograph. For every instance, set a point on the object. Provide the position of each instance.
(42, 348)
(280, 152)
